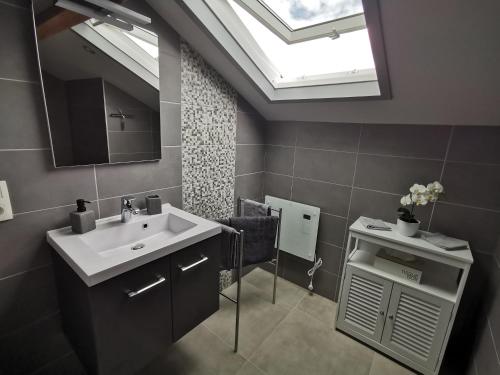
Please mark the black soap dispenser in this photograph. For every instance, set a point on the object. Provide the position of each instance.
(82, 221)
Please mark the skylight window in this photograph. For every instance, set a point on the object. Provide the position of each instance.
(301, 49)
(312, 60)
(303, 13)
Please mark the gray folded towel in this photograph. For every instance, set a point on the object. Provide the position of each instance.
(260, 236)
(253, 208)
(229, 250)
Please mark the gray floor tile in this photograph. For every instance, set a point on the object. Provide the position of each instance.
(287, 293)
(250, 369)
(384, 366)
(199, 352)
(258, 318)
(320, 307)
(301, 345)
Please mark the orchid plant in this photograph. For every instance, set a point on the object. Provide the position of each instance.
(419, 195)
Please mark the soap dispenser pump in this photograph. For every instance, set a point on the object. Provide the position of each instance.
(82, 221)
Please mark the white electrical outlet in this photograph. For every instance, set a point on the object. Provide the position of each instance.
(5, 206)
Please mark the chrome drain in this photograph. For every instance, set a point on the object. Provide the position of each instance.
(138, 246)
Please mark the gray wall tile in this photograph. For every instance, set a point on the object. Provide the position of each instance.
(330, 198)
(475, 143)
(249, 186)
(18, 50)
(486, 357)
(277, 185)
(393, 174)
(325, 284)
(295, 270)
(494, 313)
(168, 39)
(281, 133)
(23, 123)
(405, 140)
(479, 227)
(279, 159)
(381, 206)
(170, 124)
(331, 256)
(25, 298)
(331, 229)
(170, 82)
(111, 206)
(35, 184)
(121, 179)
(249, 159)
(250, 128)
(331, 166)
(32, 347)
(340, 137)
(25, 247)
(472, 184)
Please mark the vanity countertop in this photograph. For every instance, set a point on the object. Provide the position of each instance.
(115, 247)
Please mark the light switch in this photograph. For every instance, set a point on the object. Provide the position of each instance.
(5, 206)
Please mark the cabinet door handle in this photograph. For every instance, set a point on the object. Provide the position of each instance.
(134, 293)
(391, 317)
(382, 313)
(197, 263)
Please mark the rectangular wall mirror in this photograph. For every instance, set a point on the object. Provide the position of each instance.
(101, 88)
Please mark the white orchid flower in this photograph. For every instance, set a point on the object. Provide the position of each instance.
(435, 187)
(420, 199)
(406, 200)
(418, 189)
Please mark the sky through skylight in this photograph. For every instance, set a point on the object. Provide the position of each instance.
(302, 13)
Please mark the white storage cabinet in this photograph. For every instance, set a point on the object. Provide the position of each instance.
(407, 321)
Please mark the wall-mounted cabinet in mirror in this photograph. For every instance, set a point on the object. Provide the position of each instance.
(100, 85)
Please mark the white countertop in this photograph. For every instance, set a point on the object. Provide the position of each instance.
(88, 256)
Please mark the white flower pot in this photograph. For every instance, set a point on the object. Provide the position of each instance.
(407, 229)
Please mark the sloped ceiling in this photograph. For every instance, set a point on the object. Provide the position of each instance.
(443, 59)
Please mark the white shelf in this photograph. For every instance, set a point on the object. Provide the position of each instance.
(381, 294)
(393, 236)
(445, 287)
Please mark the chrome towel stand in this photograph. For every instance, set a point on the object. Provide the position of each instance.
(239, 270)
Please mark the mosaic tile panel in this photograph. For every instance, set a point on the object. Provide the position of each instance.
(208, 131)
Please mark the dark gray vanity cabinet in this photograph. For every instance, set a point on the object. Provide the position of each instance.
(195, 292)
(120, 325)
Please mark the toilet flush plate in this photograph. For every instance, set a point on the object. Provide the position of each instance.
(5, 206)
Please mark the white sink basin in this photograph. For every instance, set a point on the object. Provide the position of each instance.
(115, 247)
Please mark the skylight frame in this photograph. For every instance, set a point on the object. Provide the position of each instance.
(290, 35)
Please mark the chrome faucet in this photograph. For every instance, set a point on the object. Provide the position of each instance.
(127, 209)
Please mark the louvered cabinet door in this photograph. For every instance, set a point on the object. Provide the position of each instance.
(416, 325)
(365, 298)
